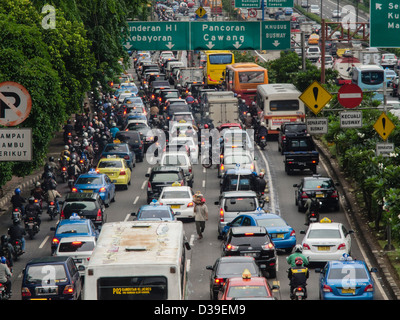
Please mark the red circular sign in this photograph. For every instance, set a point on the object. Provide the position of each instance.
(350, 95)
(252, 13)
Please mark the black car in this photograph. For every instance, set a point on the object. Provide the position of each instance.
(228, 267)
(160, 177)
(147, 134)
(290, 129)
(254, 242)
(86, 205)
(135, 142)
(324, 189)
(165, 94)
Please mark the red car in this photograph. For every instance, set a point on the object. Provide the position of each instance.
(228, 126)
(247, 287)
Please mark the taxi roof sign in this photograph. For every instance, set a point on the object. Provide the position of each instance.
(325, 220)
(246, 275)
(315, 97)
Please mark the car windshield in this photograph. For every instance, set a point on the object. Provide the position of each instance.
(73, 228)
(116, 148)
(71, 207)
(237, 158)
(51, 274)
(110, 164)
(271, 223)
(179, 194)
(247, 291)
(76, 246)
(154, 213)
(348, 273)
(240, 204)
(296, 128)
(324, 234)
(137, 125)
(165, 177)
(89, 180)
(318, 184)
(174, 160)
(235, 268)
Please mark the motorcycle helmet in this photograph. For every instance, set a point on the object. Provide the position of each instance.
(17, 191)
(31, 200)
(206, 126)
(261, 174)
(4, 239)
(3, 260)
(51, 159)
(298, 248)
(298, 261)
(38, 184)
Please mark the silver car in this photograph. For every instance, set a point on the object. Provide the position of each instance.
(236, 158)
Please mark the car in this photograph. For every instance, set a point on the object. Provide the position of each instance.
(233, 203)
(253, 241)
(336, 13)
(116, 169)
(314, 8)
(176, 158)
(229, 126)
(229, 267)
(281, 233)
(160, 177)
(186, 116)
(388, 59)
(78, 248)
(125, 94)
(121, 150)
(98, 183)
(175, 107)
(246, 287)
(72, 227)
(290, 129)
(238, 180)
(146, 133)
(155, 211)
(328, 62)
(305, 4)
(236, 158)
(190, 142)
(288, 11)
(135, 142)
(346, 279)
(166, 94)
(51, 278)
(180, 199)
(390, 75)
(313, 53)
(86, 205)
(326, 240)
(324, 189)
(236, 138)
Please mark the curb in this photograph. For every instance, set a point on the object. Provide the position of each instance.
(374, 252)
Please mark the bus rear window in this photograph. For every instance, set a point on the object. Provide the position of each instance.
(251, 77)
(220, 58)
(132, 288)
(284, 105)
(372, 77)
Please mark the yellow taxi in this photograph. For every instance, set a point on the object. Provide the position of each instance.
(116, 169)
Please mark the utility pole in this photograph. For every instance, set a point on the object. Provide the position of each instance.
(323, 51)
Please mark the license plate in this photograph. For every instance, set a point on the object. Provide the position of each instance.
(319, 195)
(175, 206)
(87, 191)
(313, 219)
(302, 163)
(30, 225)
(278, 235)
(352, 291)
(250, 254)
(323, 248)
(299, 293)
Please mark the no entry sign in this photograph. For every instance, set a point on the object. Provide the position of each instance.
(350, 95)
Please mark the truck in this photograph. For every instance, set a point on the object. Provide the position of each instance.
(138, 260)
(221, 106)
(300, 154)
(188, 75)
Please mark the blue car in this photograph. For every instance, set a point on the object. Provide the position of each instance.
(155, 211)
(98, 183)
(346, 279)
(75, 226)
(121, 150)
(283, 236)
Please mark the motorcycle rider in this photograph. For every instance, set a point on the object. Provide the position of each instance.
(18, 201)
(38, 192)
(65, 152)
(249, 121)
(189, 98)
(73, 170)
(5, 275)
(52, 195)
(7, 250)
(51, 163)
(310, 204)
(298, 249)
(16, 232)
(33, 210)
(260, 183)
(298, 276)
(262, 132)
(114, 130)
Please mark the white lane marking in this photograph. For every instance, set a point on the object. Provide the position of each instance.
(144, 184)
(204, 183)
(43, 243)
(127, 217)
(136, 200)
(269, 178)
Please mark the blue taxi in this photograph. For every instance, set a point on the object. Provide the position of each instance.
(283, 236)
(93, 182)
(155, 211)
(346, 279)
(75, 226)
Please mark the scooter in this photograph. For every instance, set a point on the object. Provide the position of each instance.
(17, 245)
(263, 142)
(3, 294)
(52, 210)
(31, 226)
(299, 293)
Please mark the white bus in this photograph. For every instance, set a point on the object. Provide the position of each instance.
(280, 103)
(138, 260)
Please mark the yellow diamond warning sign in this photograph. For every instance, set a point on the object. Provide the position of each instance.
(384, 126)
(201, 12)
(315, 97)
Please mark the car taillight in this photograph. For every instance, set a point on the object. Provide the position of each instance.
(122, 172)
(306, 246)
(293, 233)
(326, 288)
(74, 190)
(126, 157)
(341, 246)
(283, 138)
(99, 215)
(219, 281)
(369, 288)
(148, 186)
(190, 204)
(190, 169)
(268, 246)
(55, 241)
(62, 215)
(231, 247)
(334, 194)
(25, 292)
(103, 189)
(304, 195)
(68, 289)
(221, 215)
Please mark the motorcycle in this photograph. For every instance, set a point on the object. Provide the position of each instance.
(16, 214)
(52, 210)
(263, 142)
(314, 209)
(31, 226)
(17, 245)
(3, 294)
(64, 174)
(299, 293)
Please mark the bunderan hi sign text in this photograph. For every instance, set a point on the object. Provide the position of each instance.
(15, 144)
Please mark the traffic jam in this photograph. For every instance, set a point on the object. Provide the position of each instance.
(196, 178)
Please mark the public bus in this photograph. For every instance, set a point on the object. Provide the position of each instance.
(369, 77)
(280, 103)
(216, 7)
(217, 60)
(243, 78)
(138, 260)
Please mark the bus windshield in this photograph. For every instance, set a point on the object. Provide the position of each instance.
(372, 77)
(251, 77)
(284, 105)
(220, 58)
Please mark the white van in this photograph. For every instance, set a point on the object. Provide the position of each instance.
(137, 260)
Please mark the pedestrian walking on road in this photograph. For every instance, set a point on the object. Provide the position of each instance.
(200, 214)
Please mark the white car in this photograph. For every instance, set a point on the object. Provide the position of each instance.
(313, 53)
(185, 116)
(328, 62)
(191, 143)
(135, 124)
(388, 59)
(124, 95)
(326, 241)
(336, 14)
(79, 248)
(180, 199)
(314, 8)
(180, 159)
(236, 158)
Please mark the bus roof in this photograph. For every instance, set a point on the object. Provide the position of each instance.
(217, 51)
(277, 88)
(138, 242)
(369, 67)
(245, 65)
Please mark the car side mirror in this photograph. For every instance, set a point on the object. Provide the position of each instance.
(52, 229)
(374, 269)
(81, 268)
(133, 214)
(147, 175)
(209, 268)
(302, 232)
(318, 270)
(216, 203)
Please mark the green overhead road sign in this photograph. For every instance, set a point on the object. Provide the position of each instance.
(195, 35)
(384, 23)
(247, 3)
(278, 3)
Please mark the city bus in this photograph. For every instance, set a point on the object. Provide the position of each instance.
(243, 78)
(216, 7)
(280, 103)
(217, 60)
(369, 77)
(138, 260)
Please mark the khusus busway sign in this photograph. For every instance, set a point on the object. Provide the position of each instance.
(195, 35)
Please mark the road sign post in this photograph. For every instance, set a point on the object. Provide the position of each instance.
(384, 23)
